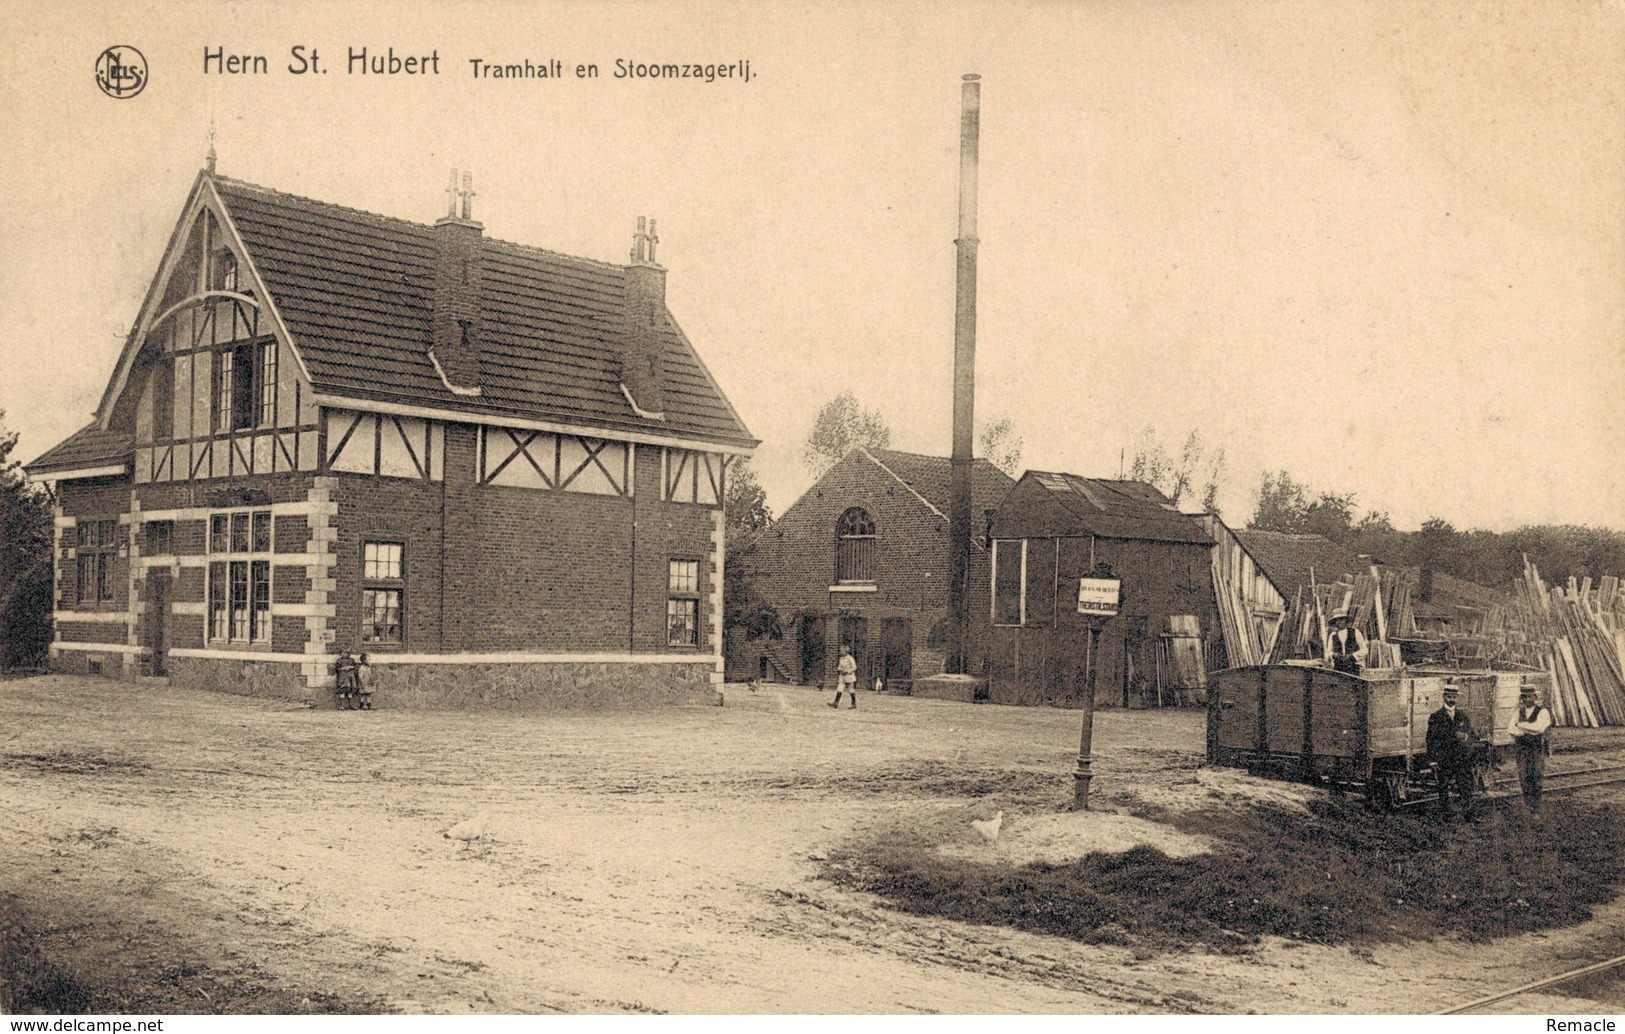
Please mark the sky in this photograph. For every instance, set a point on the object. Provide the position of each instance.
(1378, 245)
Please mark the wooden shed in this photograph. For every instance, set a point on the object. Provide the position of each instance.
(1050, 532)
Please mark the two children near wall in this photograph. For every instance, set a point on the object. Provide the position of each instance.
(352, 681)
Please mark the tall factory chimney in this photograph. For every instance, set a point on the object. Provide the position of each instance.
(959, 493)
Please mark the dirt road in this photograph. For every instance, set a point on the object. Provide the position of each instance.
(252, 855)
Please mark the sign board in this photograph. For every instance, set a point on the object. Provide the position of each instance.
(1098, 597)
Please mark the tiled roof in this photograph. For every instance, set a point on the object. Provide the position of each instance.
(86, 448)
(1121, 509)
(1287, 558)
(1451, 594)
(355, 291)
(930, 476)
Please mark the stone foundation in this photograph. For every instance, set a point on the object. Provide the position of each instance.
(280, 680)
(540, 686)
(964, 688)
(81, 662)
(534, 686)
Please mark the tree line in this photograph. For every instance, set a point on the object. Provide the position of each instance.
(25, 563)
(1495, 559)
(1195, 473)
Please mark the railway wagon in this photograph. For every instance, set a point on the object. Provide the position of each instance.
(1365, 732)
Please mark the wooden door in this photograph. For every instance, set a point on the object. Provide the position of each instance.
(812, 650)
(855, 636)
(158, 585)
(898, 666)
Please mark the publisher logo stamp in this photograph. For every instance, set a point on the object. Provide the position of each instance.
(121, 72)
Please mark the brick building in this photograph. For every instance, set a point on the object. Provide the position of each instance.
(862, 560)
(496, 469)
(1050, 532)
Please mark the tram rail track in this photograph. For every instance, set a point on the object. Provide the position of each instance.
(1538, 985)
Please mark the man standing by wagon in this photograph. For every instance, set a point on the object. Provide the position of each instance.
(1452, 747)
(1528, 729)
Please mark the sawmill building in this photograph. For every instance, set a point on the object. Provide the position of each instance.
(862, 560)
(1052, 531)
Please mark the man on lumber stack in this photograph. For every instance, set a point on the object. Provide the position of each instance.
(1528, 731)
(1345, 647)
(1453, 748)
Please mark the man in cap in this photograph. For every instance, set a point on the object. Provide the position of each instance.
(1345, 646)
(1528, 729)
(1452, 747)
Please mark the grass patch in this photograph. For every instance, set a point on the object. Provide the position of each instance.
(927, 778)
(101, 963)
(1338, 875)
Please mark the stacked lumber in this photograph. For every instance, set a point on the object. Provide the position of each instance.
(1399, 586)
(1303, 629)
(1241, 645)
(1576, 633)
(1378, 602)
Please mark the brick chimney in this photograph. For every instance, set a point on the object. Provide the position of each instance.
(643, 322)
(455, 348)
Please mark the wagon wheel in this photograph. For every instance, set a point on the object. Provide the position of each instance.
(1385, 790)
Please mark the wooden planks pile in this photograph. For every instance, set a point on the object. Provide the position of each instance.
(1379, 602)
(1242, 644)
(1577, 633)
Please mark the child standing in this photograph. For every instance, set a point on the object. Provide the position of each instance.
(363, 682)
(847, 675)
(344, 680)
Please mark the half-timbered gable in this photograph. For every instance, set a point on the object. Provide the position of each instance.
(480, 462)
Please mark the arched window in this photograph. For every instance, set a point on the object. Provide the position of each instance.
(223, 271)
(855, 547)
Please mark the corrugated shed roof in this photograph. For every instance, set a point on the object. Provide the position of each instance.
(355, 291)
(930, 476)
(1121, 509)
(1286, 558)
(86, 448)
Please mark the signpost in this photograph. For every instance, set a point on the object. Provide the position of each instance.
(1099, 597)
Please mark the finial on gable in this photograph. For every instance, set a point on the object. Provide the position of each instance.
(208, 161)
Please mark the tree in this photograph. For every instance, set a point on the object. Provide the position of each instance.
(1331, 514)
(744, 505)
(1000, 445)
(839, 427)
(25, 562)
(1281, 503)
(1197, 471)
(1290, 506)
(745, 516)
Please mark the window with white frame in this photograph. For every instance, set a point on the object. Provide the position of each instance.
(383, 586)
(95, 557)
(1008, 578)
(240, 577)
(683, 603)
(245, 388)
(1024, 581)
